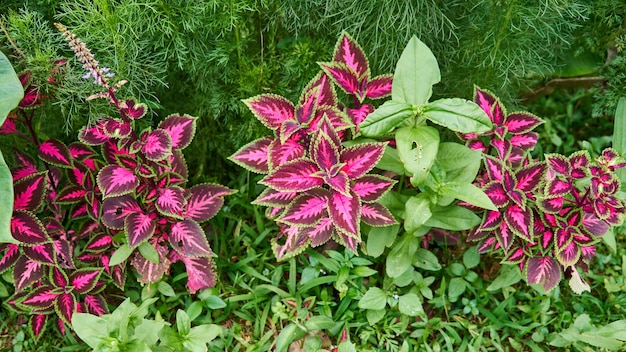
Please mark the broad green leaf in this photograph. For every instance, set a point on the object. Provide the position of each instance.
(149, 252)
(374, 298)
(467, 192)
(458, 114)
(453, 217)
(6, 199)
(374, 316)
(416, 73)
(204, 333)
(194, 310)
(169, 337)
(148, 331)
(426, 260)
(410, 305)
(183, 323)
(379, 238)
(391, 161)
(509, 275)
(405, 278)
(609, 240)
(418, 148)
(453, 156)
(400, 258)
(619, 134)
(165, 289)
(346, 346)
(214, 302)
(471, 257)
(121, 254)
(319, 322)
(456, 287)
(363, 271)
(289, 334)
(384, 119)
(90, 328)
(417, 212)
(11, 90)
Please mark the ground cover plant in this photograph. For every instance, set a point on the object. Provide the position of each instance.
(375, 216)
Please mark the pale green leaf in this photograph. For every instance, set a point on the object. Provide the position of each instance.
(509, 275)
(416, 72)
(417, 212)
(6, 199)
(149, 252)
(121, 254)
(288, 334)
(11, 90)
(410, 304)
(379, 238)
(385, 118)
(90, 328)
(619, 134)
(467, 192)
(453, 217)
(458, 114)
(453, 156)
(374, 298)
(418, 148)
(426, 260)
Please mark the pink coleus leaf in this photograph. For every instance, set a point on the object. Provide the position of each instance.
(43, 253)
(188, 239)
(558, 187)
(281, 153)
(294, 241)
(515, 256)
(594, 225)
(488, 244)
(319, 233)
(271, 109)
(307, 209)
(8, 127)
(38, 324)
(205, 201)
(26, 272)
(56, 153)
(530, 176)
(116, 128)
(345, 77)
(95, 304)
(40, 298)
(93, 134)
(491, 220)
(338, 181)
(273, 198)
(543, 270)
(558, 163)
(325, 153)
(171, 201)
(84, 280)
(65, 306)
(494, 168)
(294, 176)
(525, 141)
(569, 255)
(490, 104)
(346, 212)
(151, 272)
(522, 122)
(178, 164)
(519, 220)
(133, 109)
(347, 241)
(375, 214)
(116, 209)
(497, 194)
(71, 195)
(156, 145)
(29, 191)
(505, 236)
(181, 129)
(379, 87)
(200, 273)
(9, 253)
(254, 156)
(359, 114)
(139, 227)
(27, 229)
(552, 205)
(361, 158)
(371, 187)
(349, 52)
(115, 181)
(99, 242)
(59, 278)
(65, 253)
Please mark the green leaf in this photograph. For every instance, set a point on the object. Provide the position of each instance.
(384, 119)
(148, 331)
(204, 333)
(289, 334)
(11, 90)
(456, 287)
(90, 328)
(319, 322)
(363, 271)
(417, 212)
(6, 199)
(391, 161)
(619, 134)
(609, 239)
(183, 323)
(149, 252)
(214, 302)
(509, 275)
(426, 260)
(194, 310)
(453, 156)
(346, 346)
(374, 316)
(471, 257)
(400, 257)
(416, 72)
(170, 338)
(454, 218)
(121, 254)
(165, 289)
(418, 148)
(467, 192)
(379, 238)
(374, 298)
(410, 304)
(458, 114)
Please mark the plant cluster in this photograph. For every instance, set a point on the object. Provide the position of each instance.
(85, 212)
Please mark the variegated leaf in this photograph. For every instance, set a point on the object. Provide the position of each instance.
(171, 201)
(205, 201)
(569, 255)
(99, 242)
(56, 153)
(200, 273)
(188, 239)
(515, 256)
(319, 233)
(273, 198)
(294, 241)
(358, 115)
(361, 158)
(148, 271)
(308, 209)
(116, 128)
(254, 156)
(156, 145)
(520, 221)
(349, 52)
(93, 134)
(491, 105)
(9, 254)
(59, 278)
(522, 122)
(375, 214)
(526, 141)
(594, 225)
(29, 192)
(43, 253)
(65, 306)
(558, 163)
(26, 272)
(345, 77)
(347, 241)
(95, 304)
(530, 176)
(326, 95)
(271, 109)
(139, 227)
(71, 195)
(505, 237)
(84, 280)
(281, 153)
(64, 253)
(494, 168)
(294, 176)
(181, 129)
(325, 152)
(551, 205)
(40, 298)
(115, 181)
(346, 213)
(543, 270)
(497, 194)
(379, 87)
(27, 229)
(371, 187)
(116, 209)
(38, 324)
(134, 109)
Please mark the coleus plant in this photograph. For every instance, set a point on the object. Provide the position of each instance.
(117, 198)
(318, 181)
(551, 213)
